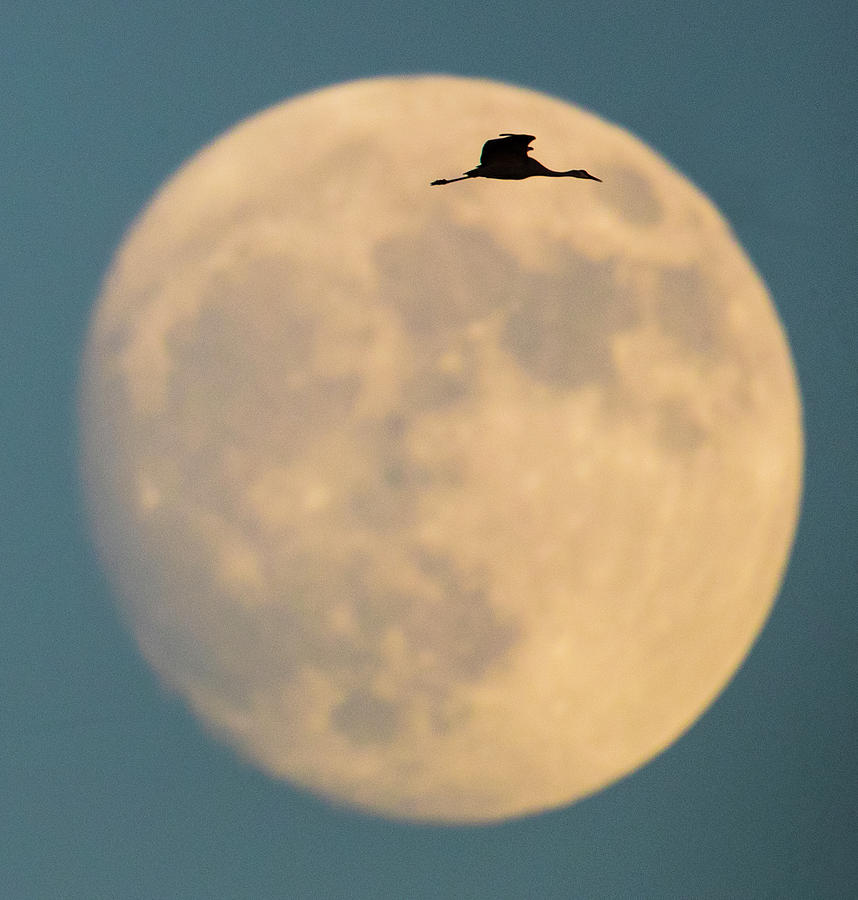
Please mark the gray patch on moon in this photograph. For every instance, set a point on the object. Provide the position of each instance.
(449, 633)
(561, 332)
(446, 633)
(691, 310)
(433, 276)
(249, 342)
(678, 430)
(366, 718)
(384, 499)
(557, 325)
(632, 196)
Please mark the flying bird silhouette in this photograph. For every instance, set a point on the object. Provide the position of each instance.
(506, 157)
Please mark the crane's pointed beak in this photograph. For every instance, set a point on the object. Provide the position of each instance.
(591, 177)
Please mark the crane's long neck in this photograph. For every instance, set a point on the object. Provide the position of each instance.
(572, 173)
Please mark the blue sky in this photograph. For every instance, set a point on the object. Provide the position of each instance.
(108, 787)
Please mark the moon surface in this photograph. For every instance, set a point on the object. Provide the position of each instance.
(452, 504)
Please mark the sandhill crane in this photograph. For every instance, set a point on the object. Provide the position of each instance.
(506, 157)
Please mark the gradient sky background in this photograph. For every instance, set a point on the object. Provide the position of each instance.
(108, 787)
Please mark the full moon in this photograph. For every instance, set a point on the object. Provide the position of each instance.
(452, 504)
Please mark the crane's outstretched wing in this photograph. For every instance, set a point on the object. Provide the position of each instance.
(507, 146)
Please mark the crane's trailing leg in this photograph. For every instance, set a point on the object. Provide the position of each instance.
(449, 180)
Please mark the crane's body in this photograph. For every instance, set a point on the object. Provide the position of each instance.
(507, 157)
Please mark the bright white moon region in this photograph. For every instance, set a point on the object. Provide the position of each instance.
(453, 503)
